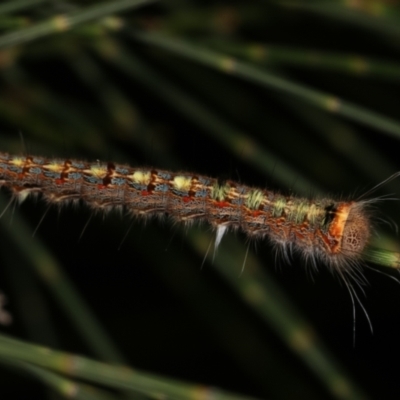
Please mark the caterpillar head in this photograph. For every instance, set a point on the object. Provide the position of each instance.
(356, 231)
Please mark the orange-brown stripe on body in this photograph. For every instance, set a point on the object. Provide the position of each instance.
(336, 227)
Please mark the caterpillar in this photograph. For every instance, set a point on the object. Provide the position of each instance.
(333, 232)
(321, 230)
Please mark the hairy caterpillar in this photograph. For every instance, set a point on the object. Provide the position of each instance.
(335, 232)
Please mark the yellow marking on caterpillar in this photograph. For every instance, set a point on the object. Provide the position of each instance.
(279, 207)
(18, 161)
(182, 182)
(254, 199)
(220, 193)
(98, 171)
(55, 167)
(141, 177)
(312, 211)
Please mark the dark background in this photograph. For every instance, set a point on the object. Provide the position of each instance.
(103, 91)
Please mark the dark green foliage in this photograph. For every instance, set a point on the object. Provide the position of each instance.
(297, 96)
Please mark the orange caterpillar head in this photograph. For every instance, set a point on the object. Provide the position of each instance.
(347, 235)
